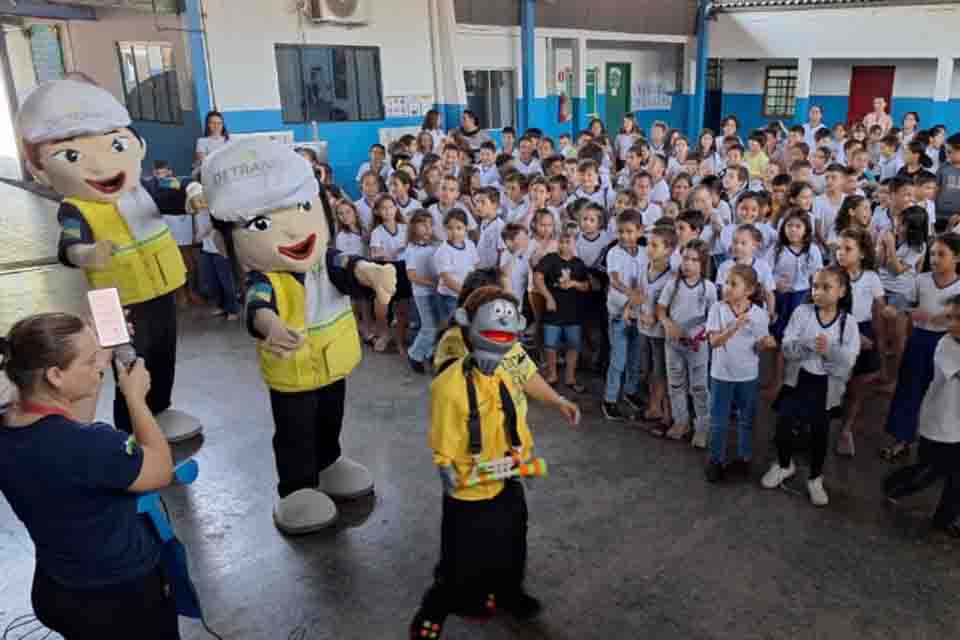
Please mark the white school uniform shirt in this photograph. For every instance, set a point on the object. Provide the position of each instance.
(660, 192)
(676, 260)
(904, 283)
(437, 213)
(688, 305)
(941, 404)
(630, 269)
(590, 249)
(365, 212)
(413, 205)
(650, 215)
(514, 211)
(737, 360)
(825, 212)
(438, 135)
(864, 290)
(351, 244)
(603, 196)
(764, 274)
(933, 299)
(797, 268)
(393, 244)
(653, 285)
(799, 350)
(764, 252)
(417, 160)
(880, 221)
(888, 167)
(624, 178)
(419, 258)
(520, 274)
(489, 176)
(818, 182)
(724, 211)
(528, 169)
(809, 134)
(931, 207)
(455, 261)
(490, 243)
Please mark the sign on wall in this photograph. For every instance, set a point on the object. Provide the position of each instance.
(409, 106)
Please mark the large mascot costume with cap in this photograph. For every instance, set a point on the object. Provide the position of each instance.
(266, 201)
(77, 139)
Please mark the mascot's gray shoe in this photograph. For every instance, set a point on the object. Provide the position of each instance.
(178, 426)
(304, 511)
(345, 480)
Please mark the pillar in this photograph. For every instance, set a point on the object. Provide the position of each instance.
(203, 97)
(698, 109)
(804, 76)
(528, 50)
(941, 91)
(449, 91)
(580, 84)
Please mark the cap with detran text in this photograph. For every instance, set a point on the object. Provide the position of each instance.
(63, 109)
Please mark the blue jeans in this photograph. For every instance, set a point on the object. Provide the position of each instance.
(724, 396)
(567, 336)
(428, 307)
(216, 278)
(626, 355)
(446, 305)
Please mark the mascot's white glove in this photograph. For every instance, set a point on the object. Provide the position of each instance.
(195, 199)
(91, 256)
(382, 278)
(280, 340)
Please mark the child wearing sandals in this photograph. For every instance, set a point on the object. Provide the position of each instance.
(564, 282)
(855, 254)
(738, 329)
(682, 309)
(929, 325)
(939, 431)
(820, 345)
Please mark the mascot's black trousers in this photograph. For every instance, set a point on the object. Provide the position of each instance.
(155, 339)
(307, 436)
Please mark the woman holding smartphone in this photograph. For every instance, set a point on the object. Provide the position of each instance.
(75, 485)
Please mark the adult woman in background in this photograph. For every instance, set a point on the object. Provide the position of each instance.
(471, 132)
(215, 135)
(74, 485)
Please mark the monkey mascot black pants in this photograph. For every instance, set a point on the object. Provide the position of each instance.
(936, 461)
(483, 551)
(155, 340)
(306, 439)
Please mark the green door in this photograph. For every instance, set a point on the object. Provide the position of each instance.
(592, 110)
(618, 94)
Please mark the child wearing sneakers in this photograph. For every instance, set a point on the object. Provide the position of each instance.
(682, 307)
(820, 347)
(660, 246)
(626, 265)
(738, 330)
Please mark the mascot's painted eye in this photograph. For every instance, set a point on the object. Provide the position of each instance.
(259, 223)
(68, 155)
(120, 144)
(503, 309)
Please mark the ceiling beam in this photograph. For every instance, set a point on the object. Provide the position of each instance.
(48, 10)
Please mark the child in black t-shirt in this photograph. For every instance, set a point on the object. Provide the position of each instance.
(564, 281)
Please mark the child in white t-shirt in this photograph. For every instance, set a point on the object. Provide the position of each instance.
(746, 240)
(350, 240)
(486, 204)
(453, 260)
(661, 242)
(418, 258)
(388, 241)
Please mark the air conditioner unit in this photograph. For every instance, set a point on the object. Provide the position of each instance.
(283, 137)
(346, 12)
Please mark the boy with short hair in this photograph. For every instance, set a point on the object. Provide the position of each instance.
(515, 261)
(633, 166)
(889, 162)
(660, 191)
(447, 200)
(588, 174)
(827, 205)
(801, 171)
(746, 242)
(504, 164)
(559, 195)
(376, 163)
(626, 264)
(948, 182)
(486, 205)
(735, 184)
(487, 169)
(508, 138)
(515, 204)
(567, 150)
(926, 194)
(564, 282)
(819, 163)
(525, 162)
(450, 160)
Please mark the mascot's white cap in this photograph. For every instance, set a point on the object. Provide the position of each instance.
(253, 177)
(69, 108)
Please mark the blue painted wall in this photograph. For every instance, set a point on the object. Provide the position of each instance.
(173, 143)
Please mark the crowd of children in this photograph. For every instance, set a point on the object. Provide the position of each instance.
(668, 267)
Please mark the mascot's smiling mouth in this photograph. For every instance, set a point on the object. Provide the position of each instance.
(301, 250)
(110, 185)
(499, 336)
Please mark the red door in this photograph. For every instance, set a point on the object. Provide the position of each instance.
(867, 83)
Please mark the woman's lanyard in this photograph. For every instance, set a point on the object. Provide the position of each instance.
(42, 410)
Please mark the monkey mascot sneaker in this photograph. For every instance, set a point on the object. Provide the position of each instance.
(276, 223)
(78, 141)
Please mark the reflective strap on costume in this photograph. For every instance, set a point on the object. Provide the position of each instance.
(473, 419)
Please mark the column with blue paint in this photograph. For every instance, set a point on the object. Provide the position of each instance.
(804, 76)
(198, 60)
(942, 90)
(528, 48)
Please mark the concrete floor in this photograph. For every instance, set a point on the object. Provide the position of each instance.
(626, 538)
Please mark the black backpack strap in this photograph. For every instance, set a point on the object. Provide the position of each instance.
(509, 415)
(473, 418)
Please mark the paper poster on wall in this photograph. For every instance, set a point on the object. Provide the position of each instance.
(651, 94)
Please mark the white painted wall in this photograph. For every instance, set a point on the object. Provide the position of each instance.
(481, 47)
(93, 46)
(242, 34)
(880, 32)
(644, 62)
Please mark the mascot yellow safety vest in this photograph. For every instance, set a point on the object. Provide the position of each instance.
(146, 262)
(332, 347)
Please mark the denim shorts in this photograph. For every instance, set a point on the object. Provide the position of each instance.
(898, 301)
(554, 337)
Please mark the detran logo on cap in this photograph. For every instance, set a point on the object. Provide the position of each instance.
(247, 166)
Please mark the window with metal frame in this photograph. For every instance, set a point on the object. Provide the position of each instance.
(329, 83)
(150, 88)
(780, 92)
(491, 94)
